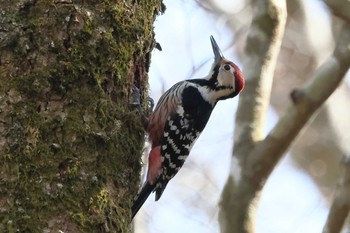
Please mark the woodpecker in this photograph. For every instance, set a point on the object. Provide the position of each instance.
(178, 119)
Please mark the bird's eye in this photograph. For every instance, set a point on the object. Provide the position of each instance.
(227, 67)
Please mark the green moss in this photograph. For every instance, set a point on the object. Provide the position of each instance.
(72, 143)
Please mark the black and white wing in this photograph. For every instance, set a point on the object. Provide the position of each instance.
(181, 130)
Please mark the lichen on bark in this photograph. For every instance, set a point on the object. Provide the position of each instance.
(69, 143)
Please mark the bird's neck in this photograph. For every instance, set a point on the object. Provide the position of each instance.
(211, 92)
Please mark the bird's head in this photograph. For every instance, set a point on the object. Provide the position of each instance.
(224, 73)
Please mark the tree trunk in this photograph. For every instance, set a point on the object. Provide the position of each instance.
(69, 145)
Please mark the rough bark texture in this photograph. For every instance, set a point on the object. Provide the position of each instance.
(69, 145)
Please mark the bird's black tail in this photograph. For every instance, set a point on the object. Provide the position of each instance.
(141, 198)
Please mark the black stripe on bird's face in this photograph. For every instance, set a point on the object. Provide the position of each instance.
(214, 77)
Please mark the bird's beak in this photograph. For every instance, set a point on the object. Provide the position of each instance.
(216, 50)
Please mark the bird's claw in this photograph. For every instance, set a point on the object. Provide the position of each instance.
(135, 102)
(150, 103)
(135, 97)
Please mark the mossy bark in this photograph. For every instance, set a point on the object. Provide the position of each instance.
(69, 144)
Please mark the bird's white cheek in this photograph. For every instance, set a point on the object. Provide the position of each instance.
(227, 80)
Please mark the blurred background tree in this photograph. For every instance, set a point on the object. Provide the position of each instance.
(289, 201)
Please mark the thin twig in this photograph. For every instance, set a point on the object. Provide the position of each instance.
(341, 203)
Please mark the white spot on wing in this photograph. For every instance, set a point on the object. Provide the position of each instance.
(180, 110)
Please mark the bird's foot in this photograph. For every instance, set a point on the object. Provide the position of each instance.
(135, 102)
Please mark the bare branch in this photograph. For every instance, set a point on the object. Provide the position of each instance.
(262, 48)
(306, 101)
(254, 156)
(341, 203)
